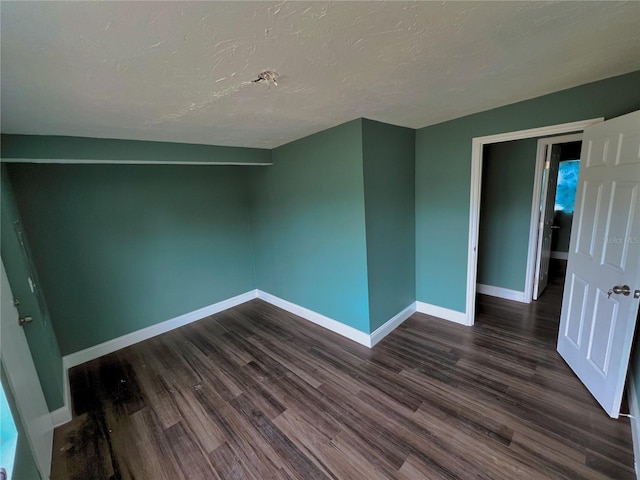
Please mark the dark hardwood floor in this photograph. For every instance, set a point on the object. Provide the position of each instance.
(257, 393)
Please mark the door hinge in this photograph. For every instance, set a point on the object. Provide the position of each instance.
(22, 321)
(16, 302)
(547, 165)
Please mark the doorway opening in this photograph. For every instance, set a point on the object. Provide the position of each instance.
(478, 145)
(512, 218)
(557, 163)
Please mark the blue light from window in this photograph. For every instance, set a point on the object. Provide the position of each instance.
(8, 435)
(567, 185)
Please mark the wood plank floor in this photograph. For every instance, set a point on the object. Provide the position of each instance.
(256, 393)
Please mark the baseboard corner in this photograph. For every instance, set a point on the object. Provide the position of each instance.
(61, 415)
(317, 318)
(441, 312)
(391, 324)
(500, 292)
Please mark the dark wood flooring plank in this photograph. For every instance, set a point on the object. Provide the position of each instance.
(192, 460)
(228, 465)
(150, 448)
(290, 455)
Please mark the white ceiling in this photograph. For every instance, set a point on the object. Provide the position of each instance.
(178, 71)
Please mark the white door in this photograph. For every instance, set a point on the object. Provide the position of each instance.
(23, 381)
(600, 304)
(545, 227)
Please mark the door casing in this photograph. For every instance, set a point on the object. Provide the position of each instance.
(478, 144)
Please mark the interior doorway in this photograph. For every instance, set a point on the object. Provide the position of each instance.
(526, 205)
(556, 176)
(478, 144)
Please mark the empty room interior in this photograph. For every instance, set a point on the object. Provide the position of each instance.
(308, 240)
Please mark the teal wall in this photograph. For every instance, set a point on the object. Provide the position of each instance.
(308, 223)
(389, 193)
(40, 334)
(505, 213)
(39, 147)
(24, 467)
(443, 175)
(122, 247)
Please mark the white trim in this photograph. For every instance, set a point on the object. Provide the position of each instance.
(560, 255)
(111, 346)
(317, 318)
(391, 324)
(63, 414)
(124, 162)
(368, 340)
(634, 411)
(476, 186)
(534, 230)
(444, 313)
(500, 292)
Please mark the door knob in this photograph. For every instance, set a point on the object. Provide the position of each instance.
(624, 290)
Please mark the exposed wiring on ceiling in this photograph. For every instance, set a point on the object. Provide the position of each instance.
(268, 76)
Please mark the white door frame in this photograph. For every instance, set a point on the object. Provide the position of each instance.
(24, 383)
(533, 257)
(474, 209)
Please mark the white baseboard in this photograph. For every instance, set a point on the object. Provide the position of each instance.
(560, 255)
(111, 346)
(368, 340)
(63, 414)
(317, 318)
(500, 292)
(391, 324)
(634, 411)
(441, 312)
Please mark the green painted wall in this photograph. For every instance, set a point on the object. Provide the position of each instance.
(81, 148)
(123, 247)
(309, 225)
(505, 213)
(443, 174)
(24, 467)
(40, 333)
(389, 193)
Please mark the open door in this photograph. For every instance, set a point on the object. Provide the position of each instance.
(602, 285)
(545, 227)
(23, 381)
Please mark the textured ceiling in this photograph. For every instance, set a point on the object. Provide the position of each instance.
(182, 72)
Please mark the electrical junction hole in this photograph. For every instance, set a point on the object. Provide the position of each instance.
(268, 76)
